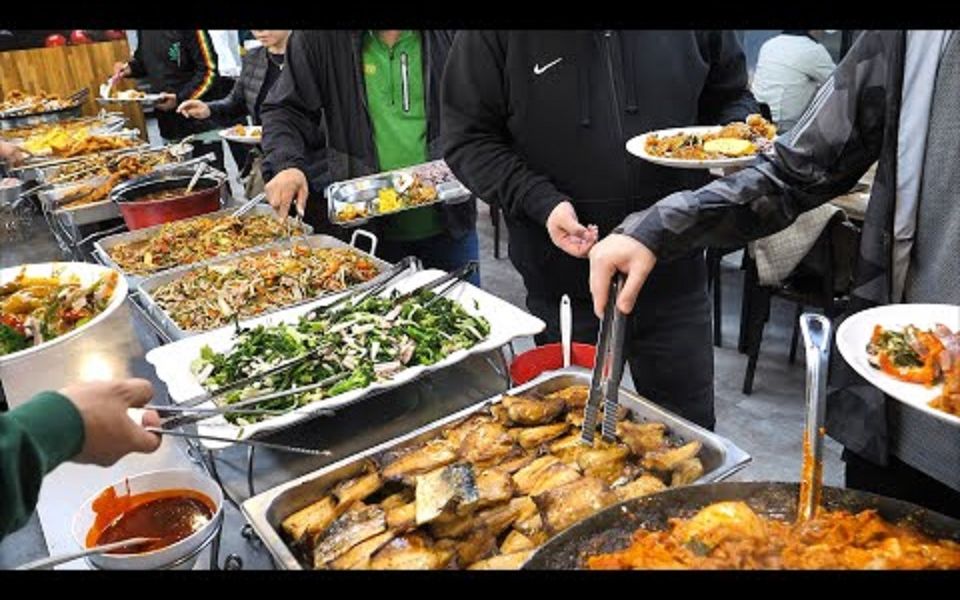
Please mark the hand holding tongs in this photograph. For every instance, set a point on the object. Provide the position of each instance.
(816, 340)
(607, 370)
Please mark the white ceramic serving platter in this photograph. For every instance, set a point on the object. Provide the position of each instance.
(87, 274)
(172, 362)
(637, 146)
(855, 332)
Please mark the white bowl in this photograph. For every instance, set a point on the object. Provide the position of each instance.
(148, 482)
(87, 274)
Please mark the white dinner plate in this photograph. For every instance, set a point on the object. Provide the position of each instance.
(854, 334)
(228, 134)
(637, 146)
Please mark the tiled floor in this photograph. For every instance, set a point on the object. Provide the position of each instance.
(767, 424)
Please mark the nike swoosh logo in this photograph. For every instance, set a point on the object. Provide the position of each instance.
(538, 70)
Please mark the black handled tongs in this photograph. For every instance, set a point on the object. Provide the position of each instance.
(607, 370)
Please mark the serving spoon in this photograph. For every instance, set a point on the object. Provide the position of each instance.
(45, 563)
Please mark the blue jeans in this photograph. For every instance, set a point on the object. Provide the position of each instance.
(437, 252)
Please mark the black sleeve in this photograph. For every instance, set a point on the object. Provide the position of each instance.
(293, 109)
(196, 44)
(831, 147)
(137, 68)
(474, 122)
(231, 108)
(726, 97)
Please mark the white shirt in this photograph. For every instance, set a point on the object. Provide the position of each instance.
(226, 43)
(790, 69)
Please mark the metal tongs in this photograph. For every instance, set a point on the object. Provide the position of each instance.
(607, 370)
(816, 340)
(248, 205)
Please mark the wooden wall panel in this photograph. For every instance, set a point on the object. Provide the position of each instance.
(65, 70)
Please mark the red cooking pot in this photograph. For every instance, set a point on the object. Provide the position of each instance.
(156, 199)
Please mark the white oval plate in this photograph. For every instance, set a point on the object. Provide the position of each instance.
(637, 146)
(854, 334)
(228, 134)
(87, 273)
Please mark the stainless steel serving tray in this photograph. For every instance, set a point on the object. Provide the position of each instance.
(101, 248)
(265, 511)
(362, 193)
(149, 285)
(50, 116)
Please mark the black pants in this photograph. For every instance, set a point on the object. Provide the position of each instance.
(901, 481)
(668, 343)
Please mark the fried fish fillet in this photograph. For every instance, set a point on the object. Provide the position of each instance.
(515, 463)
(641, 486)
(438, 489)
(486, 444)
(433, 454)
(455, 433)
(310, 521)
(515, 542)
(569, 448)
(476, 546)
(494, 486)
(500, 414)
(606, 462)
(502, 562)
(397, 500)
(642, 437)
(545, 473)
(410, 552)
(668, 460)
(348, 492)
(687, 472)
(530, 526)
(358, 557)
(359, 523)
(451, 525)
(574, 396)
(565, 505)
(497, 519)
(531, 437)
(530, 411)
(402, 517)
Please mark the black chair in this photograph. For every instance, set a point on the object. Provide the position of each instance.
(822, 280)
(714, 256)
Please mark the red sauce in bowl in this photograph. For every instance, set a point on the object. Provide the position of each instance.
(170, 515)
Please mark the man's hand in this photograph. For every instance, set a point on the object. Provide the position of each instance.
(287, 186)
(194, 109)
(11, 154)
(109, 434)
(621, 253)
(121, 70)
(567, 233)
(167, 102)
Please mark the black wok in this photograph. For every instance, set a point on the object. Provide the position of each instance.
(611, 529)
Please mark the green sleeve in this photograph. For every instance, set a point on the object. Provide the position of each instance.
(34, 439)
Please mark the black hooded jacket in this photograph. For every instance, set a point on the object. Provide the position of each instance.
(322, 82)
(532, 118)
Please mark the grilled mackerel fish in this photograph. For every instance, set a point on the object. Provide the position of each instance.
(359, 523)
(530, 411)
(433, 454)
(440, 488)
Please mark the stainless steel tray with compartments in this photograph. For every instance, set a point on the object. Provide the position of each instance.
(265, 511)
(149, 285)
(102, 248)
(361, 194)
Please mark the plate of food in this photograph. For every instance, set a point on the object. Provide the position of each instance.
(380, 343)
(736, 144)
(357, 200)
(911, 352)
(47, 303)
(109, 93)
(243, 134)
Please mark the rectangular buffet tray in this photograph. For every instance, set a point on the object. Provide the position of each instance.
(101, 248)
(361, 193)
(174, 332)
(267, 510)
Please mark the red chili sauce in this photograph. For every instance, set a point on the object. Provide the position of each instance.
(170, 515)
